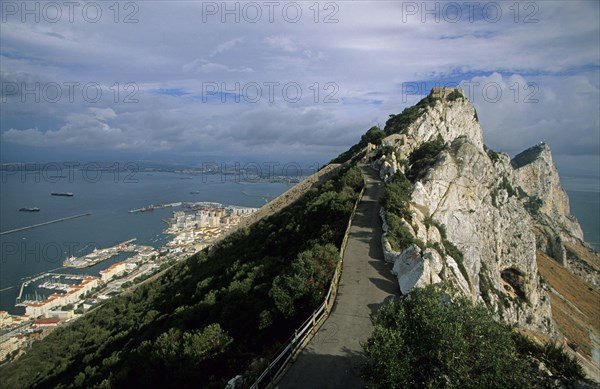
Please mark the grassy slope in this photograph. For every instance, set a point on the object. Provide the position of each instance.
(575, 304)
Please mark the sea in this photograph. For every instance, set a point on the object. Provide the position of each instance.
(108, 197)
(584, 201)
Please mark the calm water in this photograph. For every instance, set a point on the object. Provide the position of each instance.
(38, 250)
(584, 197)
(42, 249)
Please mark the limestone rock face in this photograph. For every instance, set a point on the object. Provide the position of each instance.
(473, 231)
(450, 119)
(557, 232)
(535, 173)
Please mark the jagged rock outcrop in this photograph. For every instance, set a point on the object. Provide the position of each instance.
(474, 232)
(557, 232)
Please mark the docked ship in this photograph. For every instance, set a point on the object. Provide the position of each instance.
(26, 209)
(67, 194)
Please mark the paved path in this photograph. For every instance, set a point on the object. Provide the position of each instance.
(333, 358)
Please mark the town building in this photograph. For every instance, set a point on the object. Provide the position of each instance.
(73, 294)
(113, 271)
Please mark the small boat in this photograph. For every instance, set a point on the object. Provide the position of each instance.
(25, 209)
(67, 194)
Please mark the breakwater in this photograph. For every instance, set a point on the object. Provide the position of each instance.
(45, 223)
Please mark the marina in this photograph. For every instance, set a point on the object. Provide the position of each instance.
(50, 281)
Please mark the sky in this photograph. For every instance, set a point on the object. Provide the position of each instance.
(289, 81)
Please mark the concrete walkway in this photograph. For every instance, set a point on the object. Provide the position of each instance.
(333, 358)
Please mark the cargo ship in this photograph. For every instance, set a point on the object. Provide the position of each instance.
(26, 209)
(67, 194)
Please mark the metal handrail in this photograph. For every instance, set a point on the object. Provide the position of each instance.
(310, 327)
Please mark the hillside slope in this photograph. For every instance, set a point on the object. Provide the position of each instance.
(211, 318)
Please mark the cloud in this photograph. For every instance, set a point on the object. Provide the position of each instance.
(517, 112)
(88, 130)
(171, 49)
(283, 43)
(226, 46)
(200, 65)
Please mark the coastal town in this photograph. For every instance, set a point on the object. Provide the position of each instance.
(59, 299)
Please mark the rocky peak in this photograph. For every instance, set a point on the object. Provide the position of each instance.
(558, 234)
(451, 116)
(535, 173)
(476, 216)
(470, 229)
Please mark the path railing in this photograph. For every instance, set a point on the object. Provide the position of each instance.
(309, 328)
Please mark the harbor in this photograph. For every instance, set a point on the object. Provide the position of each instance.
(44, 294)
(152, 207)
(56, 282)
(100, 255)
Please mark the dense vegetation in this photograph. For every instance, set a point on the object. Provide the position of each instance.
(422, 158)
(398, 124)
(374, 135)
(395, 201)
(431, 341)
(205, 320)
(455, 95)
(526, 157)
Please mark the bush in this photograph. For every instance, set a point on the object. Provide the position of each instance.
(398, 234)
(374, 135)
(455, 95)
(494, 157)
(400, 123)
(423, 158)
(554, 357)
(397, 195)
(533, 204)
(395, 200)
(455, 253)
(306, 281)
(426, 340)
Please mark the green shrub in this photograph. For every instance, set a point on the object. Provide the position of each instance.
(455, 253)
(455, 95)
(397, 195)
(398, 234)
(398, 124)
(533, 204)
(428, 341)
(423, 158)
(306, 281)
(554, 357)
(374, 135)
(494, 157)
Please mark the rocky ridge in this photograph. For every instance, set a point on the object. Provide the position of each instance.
(493, 210)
